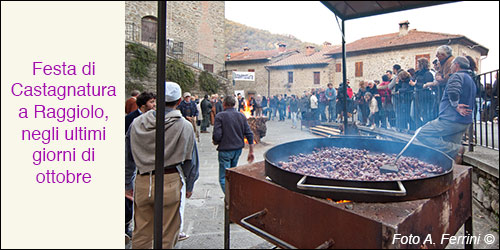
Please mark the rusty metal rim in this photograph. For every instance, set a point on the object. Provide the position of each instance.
(277, 147)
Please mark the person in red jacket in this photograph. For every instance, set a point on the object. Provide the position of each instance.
(130, 104)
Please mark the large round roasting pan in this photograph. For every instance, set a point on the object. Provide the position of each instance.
(365, 191)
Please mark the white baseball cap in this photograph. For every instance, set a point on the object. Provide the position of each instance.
(172, 92)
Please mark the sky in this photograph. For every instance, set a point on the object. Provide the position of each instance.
(312, 22)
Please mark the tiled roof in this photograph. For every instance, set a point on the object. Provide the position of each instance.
(393, 39)
(252, 55)
(301, 58)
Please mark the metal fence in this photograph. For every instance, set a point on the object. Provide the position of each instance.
(176, 49)
(486, 126)
(410, 110)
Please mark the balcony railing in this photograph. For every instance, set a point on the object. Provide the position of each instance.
(176, 49)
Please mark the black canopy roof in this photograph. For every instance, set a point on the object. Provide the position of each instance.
(347, 10)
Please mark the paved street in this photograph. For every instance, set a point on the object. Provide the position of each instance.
(205, 211)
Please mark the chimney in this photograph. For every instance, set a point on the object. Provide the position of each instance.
(246, 49)
(281, 47)
(403, 28)
(310, 50)
(325, 44)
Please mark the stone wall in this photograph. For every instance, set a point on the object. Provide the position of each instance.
(198, 24)
(258, 86)
(148, 83)
(485, 191)
(375, 64)
(303, 79)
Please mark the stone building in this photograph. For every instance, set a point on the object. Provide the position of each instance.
(195, 30)
(302, 71)
(255, 61)
(195, 36)
(368, 58)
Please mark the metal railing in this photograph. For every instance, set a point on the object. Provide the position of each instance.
(413, 109)
(486, 126)
(177, 50)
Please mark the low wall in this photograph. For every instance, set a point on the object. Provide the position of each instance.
(148, 82)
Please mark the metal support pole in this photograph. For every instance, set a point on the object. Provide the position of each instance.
(468, 233)
(160, 124)
(227, 228)
(344, 79)
(268, 82)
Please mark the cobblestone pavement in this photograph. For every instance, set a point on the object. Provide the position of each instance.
(205, 212)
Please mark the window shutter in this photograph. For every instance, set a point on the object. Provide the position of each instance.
(338, 67)
(359, 69)
(208, 67)
(316, 78)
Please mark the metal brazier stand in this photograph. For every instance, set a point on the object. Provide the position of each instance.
(378, 216)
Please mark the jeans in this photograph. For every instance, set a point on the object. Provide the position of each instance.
(274, 110)
(332, 112)
(322, 114)
(282, 114)
(315, 113)
(443, 135)
(205, 123)
(294, 118)
(227, 159)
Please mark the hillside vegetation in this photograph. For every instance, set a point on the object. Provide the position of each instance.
(238, 36)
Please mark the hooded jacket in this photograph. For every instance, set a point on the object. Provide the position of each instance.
(179, 140)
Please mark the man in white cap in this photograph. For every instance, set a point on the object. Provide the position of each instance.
(181, 170)
(189, 111)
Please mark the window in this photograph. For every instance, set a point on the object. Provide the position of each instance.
(316, 78)
(338, 67)
(148, 29)
(359, 69)
(428, 56)
(208, 67)
(251, 70)
(290, 77)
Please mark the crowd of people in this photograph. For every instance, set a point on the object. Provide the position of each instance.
(439, 100)
(402, 99)
(183, 113)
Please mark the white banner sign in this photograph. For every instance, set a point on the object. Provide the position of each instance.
(243, 76)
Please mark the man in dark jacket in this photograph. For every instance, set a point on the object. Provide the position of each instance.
(189, 111)
(455, 112)
(230, 128)
(145, 101)
(206, 108)
(188, 107)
